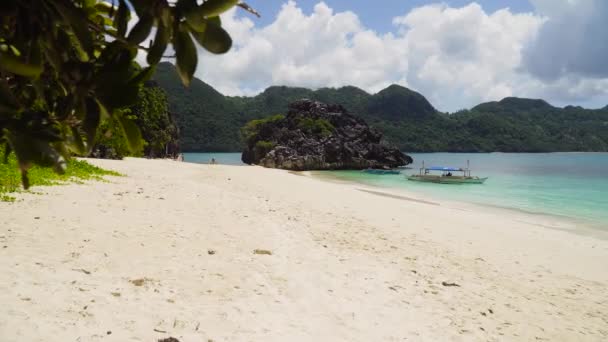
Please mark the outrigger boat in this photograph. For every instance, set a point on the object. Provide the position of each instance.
(446, 176)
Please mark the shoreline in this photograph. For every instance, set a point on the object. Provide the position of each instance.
(576, 225)
(170, 250)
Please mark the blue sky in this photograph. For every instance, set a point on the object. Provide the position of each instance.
(378, 14)
(457, 53)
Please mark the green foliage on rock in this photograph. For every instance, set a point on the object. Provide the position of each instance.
(68, 65)
(320, 127)
(254, 127)
(262, 148)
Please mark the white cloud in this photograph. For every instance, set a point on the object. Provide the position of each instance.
(568, 56)
(457, 57)
(461, 56)
(317, 50)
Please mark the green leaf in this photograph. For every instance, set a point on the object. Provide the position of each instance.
(213, 8)
(112, 81)
(215, 39)
(105, 114)
(159, 46)
(132, 133)
(122, 18)
(215, 21)
(196, 23)
(186, 55)
(103, 7)
(143, 75)
(141, 30)
(116, 57)
(118, 95)
(77, 143)
(194, 18)
(89, 3)
(10, 63)
(78, 23)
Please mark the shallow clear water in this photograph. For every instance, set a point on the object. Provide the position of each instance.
(566, 184)
(220, 158)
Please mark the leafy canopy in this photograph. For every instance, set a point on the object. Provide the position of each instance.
(65, 65)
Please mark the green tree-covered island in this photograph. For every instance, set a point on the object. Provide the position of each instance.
(210, 121)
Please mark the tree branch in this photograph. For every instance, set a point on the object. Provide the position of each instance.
(249, 9)
(120, 39)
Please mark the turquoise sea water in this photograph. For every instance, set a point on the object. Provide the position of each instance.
(574, 185)
(220, 157)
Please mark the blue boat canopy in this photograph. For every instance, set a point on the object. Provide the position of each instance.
(443, 168)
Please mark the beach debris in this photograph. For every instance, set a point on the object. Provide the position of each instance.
(445, 283)
(115, 294)
(81, 270)
(109, 332)
(262, 251)
(393, 288)
(491, 311)
(169, 339)
(138, 282)
(162, 332)
(37, 218)
(210, 252)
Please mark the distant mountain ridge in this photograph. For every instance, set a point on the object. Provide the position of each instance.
(210, 121)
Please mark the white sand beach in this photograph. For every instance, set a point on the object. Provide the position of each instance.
(168, 250)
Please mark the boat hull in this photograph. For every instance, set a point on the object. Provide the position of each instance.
(447, 180)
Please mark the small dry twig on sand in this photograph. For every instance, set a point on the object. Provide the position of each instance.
(445, 283)
(262, 251)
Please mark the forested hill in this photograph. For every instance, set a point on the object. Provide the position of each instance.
(210, 121)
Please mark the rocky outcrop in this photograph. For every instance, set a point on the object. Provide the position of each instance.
(317, 136)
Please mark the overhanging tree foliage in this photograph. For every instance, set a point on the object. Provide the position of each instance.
(65, 65)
